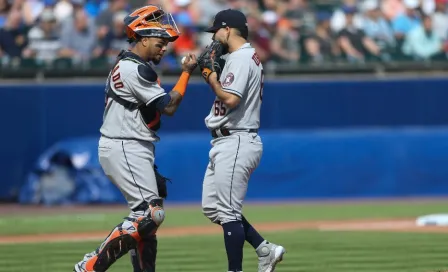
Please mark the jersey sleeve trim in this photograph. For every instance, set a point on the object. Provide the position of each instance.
(162, 102)
(155, 97)
(232, 92)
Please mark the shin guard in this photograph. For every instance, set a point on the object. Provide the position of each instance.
(122, 238)
(126, 236)
(144, 257)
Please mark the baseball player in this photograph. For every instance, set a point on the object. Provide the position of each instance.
(236, 150)
(134, 104)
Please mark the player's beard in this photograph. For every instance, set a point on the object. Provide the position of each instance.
(225, 49)
(157, 59)
(225, 45)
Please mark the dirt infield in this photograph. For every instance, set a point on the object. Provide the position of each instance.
(390, 225)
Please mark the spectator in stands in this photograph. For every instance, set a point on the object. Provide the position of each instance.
(5, 6)
(79, 5)
(241, 5)
(105, 19)
(115, 39)
(301, 15)
(355, 45)
(281, 8)
(188, 8)
(268, 6)
(407, 20)
(63, 9)
(44, 43)
(321, 46)
(187, 42)
(69, 9)
(440, 19)
(377, 28)
(338, 20)
(285, 43)
(271, 5)
(254, 6)
(274, 28)
(391, 8)
(208, 9)
(269, 20)
(427, 7)
(78, 39)
(30, 9)
(259, 37)
(422, 43)
(13, 36)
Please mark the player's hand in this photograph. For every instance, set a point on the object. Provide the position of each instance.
(190, 63)
(208, 60)
(212, 78)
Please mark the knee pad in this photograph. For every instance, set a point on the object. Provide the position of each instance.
(148, 225)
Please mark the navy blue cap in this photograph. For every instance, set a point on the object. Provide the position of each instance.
(229, 18)
(349, 9)
(323, 16)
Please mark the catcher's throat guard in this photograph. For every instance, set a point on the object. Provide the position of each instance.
(126, 236)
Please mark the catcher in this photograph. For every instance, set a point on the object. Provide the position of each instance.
(134, 104)
(236, 150)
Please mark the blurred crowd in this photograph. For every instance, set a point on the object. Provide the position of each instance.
(282, 31)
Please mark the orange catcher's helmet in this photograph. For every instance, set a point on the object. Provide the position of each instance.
(151, 21)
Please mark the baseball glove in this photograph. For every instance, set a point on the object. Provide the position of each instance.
(161, 183)
(208, 60)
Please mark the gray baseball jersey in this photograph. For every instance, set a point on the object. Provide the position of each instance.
(242, 75)
(233, 158)
(126, 149)
(127, 82)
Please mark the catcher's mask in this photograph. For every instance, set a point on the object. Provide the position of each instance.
(151, 21)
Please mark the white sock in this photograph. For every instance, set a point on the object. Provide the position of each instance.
(265, 242)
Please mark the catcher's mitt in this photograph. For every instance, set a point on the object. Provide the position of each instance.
(161, 183)
(208, 60)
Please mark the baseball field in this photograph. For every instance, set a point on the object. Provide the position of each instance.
(371, 236)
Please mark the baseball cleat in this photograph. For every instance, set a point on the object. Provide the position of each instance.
(78, 268)
(81, 266)
(269, 255)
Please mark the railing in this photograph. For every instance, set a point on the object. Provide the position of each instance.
(64, 68)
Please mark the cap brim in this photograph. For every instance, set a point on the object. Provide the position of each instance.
(212, 29)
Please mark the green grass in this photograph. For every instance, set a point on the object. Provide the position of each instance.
(307, 251)
(192, 216)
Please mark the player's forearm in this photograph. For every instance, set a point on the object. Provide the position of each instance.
(177, 94)
(176, 99)
(348, 48)
(229, 99)
(371, 46)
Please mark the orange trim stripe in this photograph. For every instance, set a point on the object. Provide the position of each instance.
(155, 121)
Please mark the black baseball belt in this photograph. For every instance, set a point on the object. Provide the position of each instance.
(220, 132)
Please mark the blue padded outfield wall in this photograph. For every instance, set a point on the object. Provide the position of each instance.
(367, 138)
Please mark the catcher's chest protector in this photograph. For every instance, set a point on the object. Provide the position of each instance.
(150, 114)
